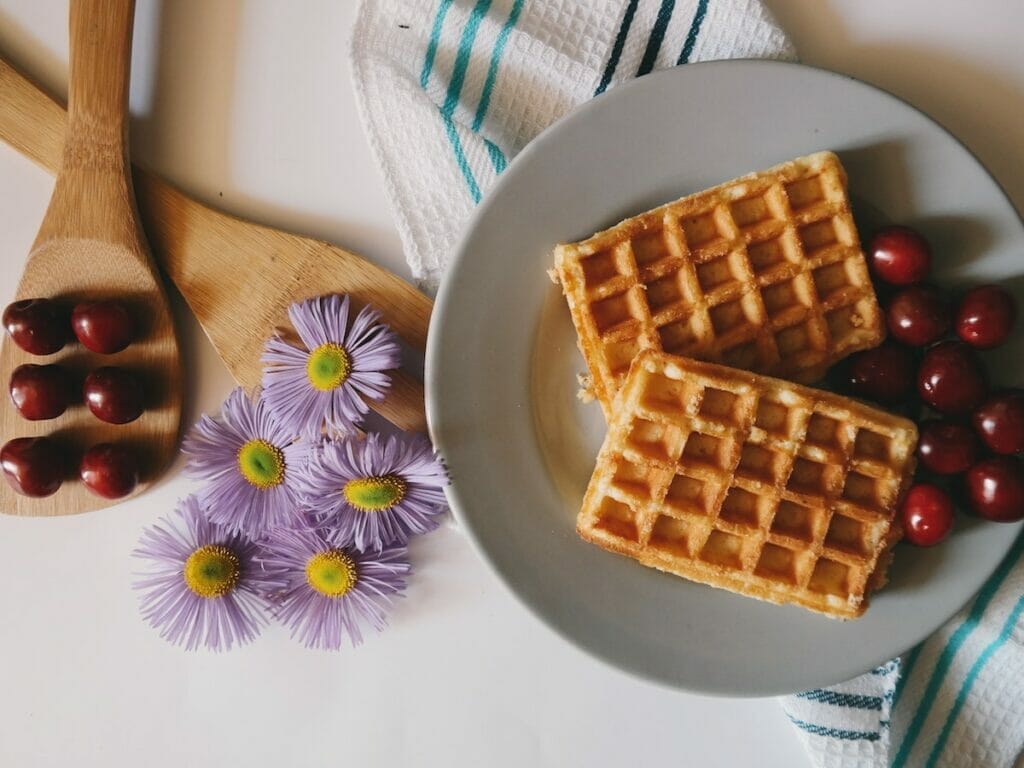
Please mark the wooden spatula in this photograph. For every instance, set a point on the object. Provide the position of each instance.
(237, 277)
(89, 246)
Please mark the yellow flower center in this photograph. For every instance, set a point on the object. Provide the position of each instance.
(328, 367)
(375, 494)
(212, 571)
(261, 463)
(331, 573)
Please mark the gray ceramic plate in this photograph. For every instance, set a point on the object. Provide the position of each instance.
(502, 362)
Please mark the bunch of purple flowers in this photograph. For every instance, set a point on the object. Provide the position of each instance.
(302, 516)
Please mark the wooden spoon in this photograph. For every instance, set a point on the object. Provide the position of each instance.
(203, 250)
(90, 245)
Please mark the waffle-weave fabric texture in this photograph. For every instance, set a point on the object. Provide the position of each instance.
(449, 91)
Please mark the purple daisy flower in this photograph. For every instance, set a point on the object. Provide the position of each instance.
(377, 491)
(249, 459)
(330, 590)
(321, 382)
(202, 588)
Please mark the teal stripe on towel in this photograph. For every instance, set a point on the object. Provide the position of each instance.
(657, 35)
(972, 676)
(435, 37)
(691, 36)
(954, 643)
(492, 69)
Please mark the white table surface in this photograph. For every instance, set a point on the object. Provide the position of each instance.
(248, 103)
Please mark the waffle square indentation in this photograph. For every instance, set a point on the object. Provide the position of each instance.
(719, 405)
(668, 396)
(830, 279)
(872, 446)
(743, 507)
(706, 450)
(777, 563)
(793, 520)
(794, 339)
(600, 268)
(731, 315)
(654, 441)
(824, 431)
(765, 255)
(664, 292)
(620, 354)
(783, 296)
(774, 418)
(650, 248)
(633, 480)
(761, 464)
(613, 311)
(751, 211)
(817, 235)
(700, 230)
(810, 478)
(830, 578)
(670, 534)
(678, 336)
(803, 193)
(618, 519)
(688, 494)
(723, 548)
(863, 491)
(717, 272)
(846, 534)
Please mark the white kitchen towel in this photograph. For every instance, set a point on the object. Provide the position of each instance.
(450, 90)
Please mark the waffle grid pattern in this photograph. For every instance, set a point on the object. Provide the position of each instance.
(753, 484)
(763, 273)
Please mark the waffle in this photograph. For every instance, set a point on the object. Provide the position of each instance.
(763, 273)
(751, 484)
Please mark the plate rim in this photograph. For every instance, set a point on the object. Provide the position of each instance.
(433, 372)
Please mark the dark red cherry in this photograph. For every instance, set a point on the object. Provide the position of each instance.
(986, 316)
(918, 315)
(884, 374)
(114, 395)
(40, 391)
(1000, 422)
(946, 447)
(927, 514)
(996, 488)
(109, 470)
(38, 326)
(951, 378)
(105, 327)
(899, 256)
(34, 466)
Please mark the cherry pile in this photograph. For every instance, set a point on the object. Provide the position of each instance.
(971, 437)
(36, 466)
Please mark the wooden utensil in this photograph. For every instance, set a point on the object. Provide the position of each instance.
(209, 254)
(90, 245)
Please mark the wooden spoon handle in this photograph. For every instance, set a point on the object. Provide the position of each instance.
(100, 61)
(93, 197)
(30, 121)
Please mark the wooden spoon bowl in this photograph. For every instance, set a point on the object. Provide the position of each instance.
(90, 246)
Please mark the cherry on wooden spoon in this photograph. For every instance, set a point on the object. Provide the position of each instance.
(90, 248)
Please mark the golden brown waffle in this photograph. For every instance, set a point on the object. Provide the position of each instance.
(763, 273)
(749, 483)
